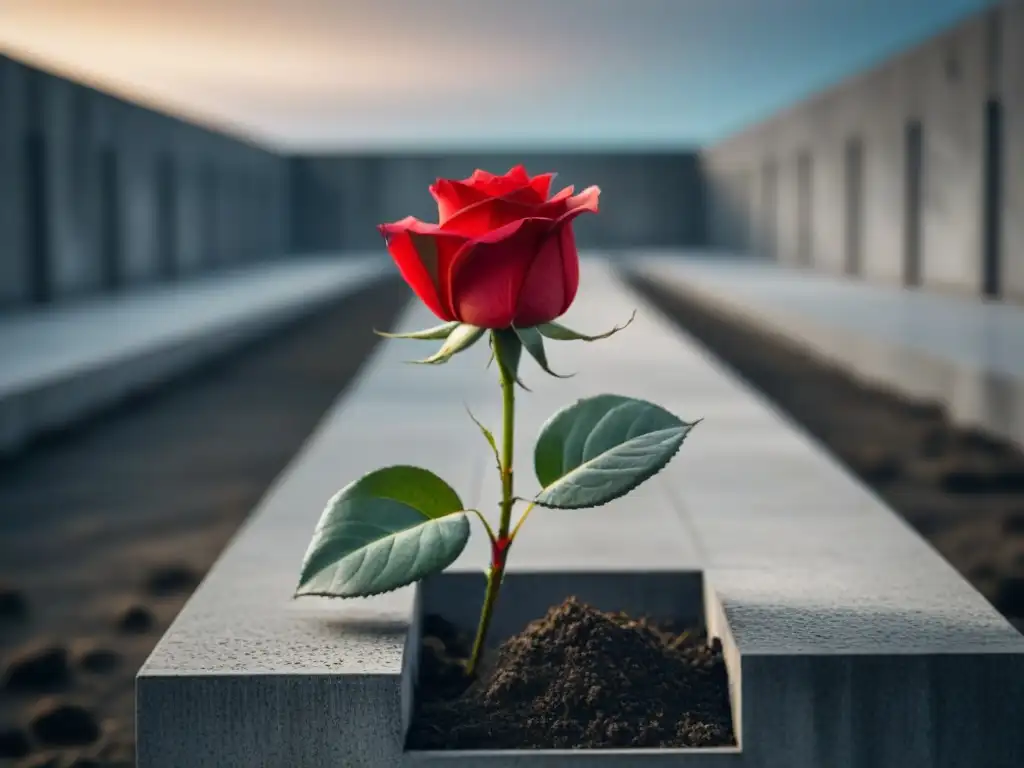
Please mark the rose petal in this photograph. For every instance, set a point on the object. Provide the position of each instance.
(571, 267)
(518, 174)
(453, 196)
(585, 202)
(424, 254)
(491, 213)
(479, 177)
(551, 283)
(487, 273)
(542, 296)
(541, 185)
(515, 181)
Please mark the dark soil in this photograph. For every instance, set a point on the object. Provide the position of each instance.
(106, 528)
(960, 489)
(576, 678)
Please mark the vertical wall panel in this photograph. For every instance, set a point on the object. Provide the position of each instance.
(1011, 93)
(15, 287)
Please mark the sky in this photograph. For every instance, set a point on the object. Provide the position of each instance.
(328, 75)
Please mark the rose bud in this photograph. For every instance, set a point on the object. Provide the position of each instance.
(501, 254)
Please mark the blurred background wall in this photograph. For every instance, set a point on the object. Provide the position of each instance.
(646, 199)
(911, 173)
(98, 194)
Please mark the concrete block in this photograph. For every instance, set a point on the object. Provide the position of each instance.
(138, 196)
(885, 661)
(65, 108)
(167, 198)
(109, 241)
(223, 195)
(189, 206)
(888, 101)
(955, 89)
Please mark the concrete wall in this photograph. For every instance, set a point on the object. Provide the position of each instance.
(98, 194)
(809, 212)
(646, 199)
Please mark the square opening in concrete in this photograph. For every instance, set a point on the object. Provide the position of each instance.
(678, 599)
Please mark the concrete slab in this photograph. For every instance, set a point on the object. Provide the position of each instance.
(65, 362)
(964, 353)
(852, 642)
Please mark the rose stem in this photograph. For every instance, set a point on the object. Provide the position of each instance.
(499, 545)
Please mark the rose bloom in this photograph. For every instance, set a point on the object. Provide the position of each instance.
(501, 254)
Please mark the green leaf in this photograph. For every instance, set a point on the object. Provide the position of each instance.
(508, 350)
(603, 447)
(561, 333)
(463, 337)
(390, 528)
(428, 334)
(489, 436)
(533, 342)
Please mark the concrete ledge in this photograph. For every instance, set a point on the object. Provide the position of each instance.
(968, 355)
(854, 645)
(61, 364)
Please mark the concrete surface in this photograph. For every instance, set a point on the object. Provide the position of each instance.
(966, 354)
(61, 364)
(857, 644)
(646, 199)
(944, 85)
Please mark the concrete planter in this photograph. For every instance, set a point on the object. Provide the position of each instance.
(667, 595)
(849, 642)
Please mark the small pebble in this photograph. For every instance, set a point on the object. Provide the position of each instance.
(1013, 523)
(136, 619)
(59, 724)
(14, 743)
(13, 605)
(37, 668)
(99, 661)
(172, 579)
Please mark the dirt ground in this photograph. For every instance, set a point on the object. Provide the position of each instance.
(960, 489)
(106, 529)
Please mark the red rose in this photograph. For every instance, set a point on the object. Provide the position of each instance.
(502, 254)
